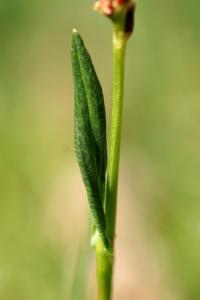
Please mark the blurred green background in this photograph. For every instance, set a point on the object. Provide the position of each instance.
(44, 252)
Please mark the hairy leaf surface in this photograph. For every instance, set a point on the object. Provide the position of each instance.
(90, 130)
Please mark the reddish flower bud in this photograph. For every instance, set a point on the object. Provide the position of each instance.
(116, 8)
(109, 7)
(105, 6)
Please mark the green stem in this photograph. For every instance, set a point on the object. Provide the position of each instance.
(104, 257)
(119, 48)
(104, 265)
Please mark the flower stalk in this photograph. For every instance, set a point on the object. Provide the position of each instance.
(121, 13)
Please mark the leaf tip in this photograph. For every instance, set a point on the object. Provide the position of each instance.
(75, 35)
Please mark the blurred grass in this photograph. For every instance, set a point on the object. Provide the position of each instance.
(160, 153)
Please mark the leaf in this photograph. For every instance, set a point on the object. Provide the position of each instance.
(90, 130)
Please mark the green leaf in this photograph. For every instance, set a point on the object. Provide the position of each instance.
(90, 130)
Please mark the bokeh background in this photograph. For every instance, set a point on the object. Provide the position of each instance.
(44, 248)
